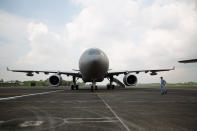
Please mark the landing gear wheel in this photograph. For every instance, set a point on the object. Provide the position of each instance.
(92, 89)
(108, 87)
(96, 88)
(77, 87)
(72, 87)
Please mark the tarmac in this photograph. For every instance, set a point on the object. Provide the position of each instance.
(128, 109)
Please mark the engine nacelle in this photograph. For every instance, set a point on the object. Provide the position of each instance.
(130, 80)
(30, 74)
(153, 73)
(55, 80)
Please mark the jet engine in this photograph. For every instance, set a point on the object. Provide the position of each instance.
(55, 80)
(130, 80)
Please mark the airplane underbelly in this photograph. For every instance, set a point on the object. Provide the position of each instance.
(93, 75)
(91, 79)
(94, 72)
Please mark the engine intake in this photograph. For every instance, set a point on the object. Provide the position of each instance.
(55, 80)
(130, 80)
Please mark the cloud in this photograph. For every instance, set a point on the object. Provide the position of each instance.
(134, 34)
(13, 41)
(45, 45)
(12, 27)
(130, 31)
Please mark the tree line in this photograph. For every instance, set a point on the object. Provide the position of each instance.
(35, 83)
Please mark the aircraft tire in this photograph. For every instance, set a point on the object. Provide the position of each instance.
(92, 89)
(77, 87)
(108, 87)
(72, 87)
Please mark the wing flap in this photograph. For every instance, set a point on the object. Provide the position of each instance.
(152, 71)
(30, 72)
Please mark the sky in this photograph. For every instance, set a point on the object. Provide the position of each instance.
(135, 35)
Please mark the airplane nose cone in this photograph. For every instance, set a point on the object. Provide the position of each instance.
(95, 65)
(94, 61)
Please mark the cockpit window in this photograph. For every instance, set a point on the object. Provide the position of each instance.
(94, 52)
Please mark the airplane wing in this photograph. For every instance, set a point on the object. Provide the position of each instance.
(188, 61)
(152, 72)
(30, 72)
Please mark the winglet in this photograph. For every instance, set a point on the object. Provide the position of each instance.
(8, 69)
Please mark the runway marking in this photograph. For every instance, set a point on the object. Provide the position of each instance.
(87, 101)
(91, 120)
(156, 101)
(114, 113)
(42, 93)
(31, 123)
(41, 121)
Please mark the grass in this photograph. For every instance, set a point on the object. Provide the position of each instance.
(168, 85)
(172, 85)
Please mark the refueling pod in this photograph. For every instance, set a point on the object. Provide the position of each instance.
(153, 73)
(130, 80)
(30, 74)
(55, 80)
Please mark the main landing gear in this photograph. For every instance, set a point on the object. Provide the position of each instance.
(110, 85)
(74, 86)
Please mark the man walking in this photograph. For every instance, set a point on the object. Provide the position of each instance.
(163, 88)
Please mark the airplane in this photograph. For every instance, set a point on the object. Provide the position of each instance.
(188, 61)
(93, 67)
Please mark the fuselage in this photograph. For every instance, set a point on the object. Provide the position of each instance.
(93, 65)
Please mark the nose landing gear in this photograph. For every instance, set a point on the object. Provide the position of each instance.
(74, 86)
(94, 87)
